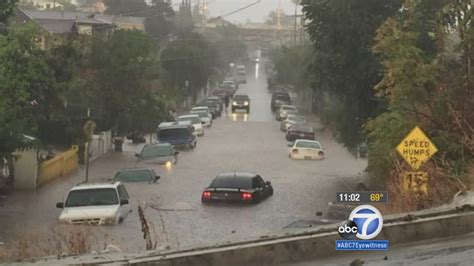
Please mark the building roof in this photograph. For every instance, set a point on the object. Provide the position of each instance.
(120, 19)
(56, 26)
(54, 15)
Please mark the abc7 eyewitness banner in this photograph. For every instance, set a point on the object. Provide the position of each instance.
(358, 232)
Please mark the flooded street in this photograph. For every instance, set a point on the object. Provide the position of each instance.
(237, 142)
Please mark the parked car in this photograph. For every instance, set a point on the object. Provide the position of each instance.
(201, 108)
(205, 117)
(300, 131)
(180, 136)
(241, 76)
(305, 149)
(292, 120)
(214, 108)
(95, 202)
(237, 187)
(136, 175)
(279, 98)
(284, 110)
(230, 83)
(225, 90)
(241, 101)
(217, 101)
(195, 120)
(158, 153)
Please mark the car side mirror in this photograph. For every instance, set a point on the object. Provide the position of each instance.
(176, 152)
(268, 183)
(137, 155)
(60, 205)
(124, 202)
(319, 214)
(157, 178)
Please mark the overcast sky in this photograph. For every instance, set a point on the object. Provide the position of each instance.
(256, 13)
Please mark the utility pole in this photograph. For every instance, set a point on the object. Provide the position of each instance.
(294, 30)
(89, 129)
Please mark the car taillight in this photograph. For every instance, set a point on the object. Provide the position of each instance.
(206, 195)
(295, 150)
(246, 196)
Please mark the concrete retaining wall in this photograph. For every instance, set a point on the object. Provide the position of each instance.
(302, 246)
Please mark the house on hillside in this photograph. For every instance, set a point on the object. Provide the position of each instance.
(93, 6)
(43, 4)
(66, 24)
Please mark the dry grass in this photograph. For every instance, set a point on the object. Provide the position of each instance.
(65, 241)
(441, 189)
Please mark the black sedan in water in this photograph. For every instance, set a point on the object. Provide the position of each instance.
(237, 187)
(300, 131)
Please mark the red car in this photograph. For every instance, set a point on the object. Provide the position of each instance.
(300, 131)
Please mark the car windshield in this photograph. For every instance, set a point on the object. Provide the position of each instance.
(241, 97)
(201, 114)
(308, 144)
(173, 133)
(232, 182)
(301, 128)
(150, 151)
(92, 197)
(193, 119)
(282, 98)
(134, 176)
(288, 108)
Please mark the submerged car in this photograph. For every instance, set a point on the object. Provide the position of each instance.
(305, 149)
(96, 202)
(136, 175)
(279, 98)
(214, 107)
(158, 153)
(300, 131)
(237, 187)
(180, 136)
(205, 117)
(285, 110)
(201, 109)
(292, 120)
(195, 121)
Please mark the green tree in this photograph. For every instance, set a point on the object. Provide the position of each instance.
(420, 50)
(344, 68)
(27, 86)
(7, 7)
(189, 58)
(160, 22)
(126, 7)
(120, 69)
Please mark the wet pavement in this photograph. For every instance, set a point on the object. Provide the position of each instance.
(237, 142)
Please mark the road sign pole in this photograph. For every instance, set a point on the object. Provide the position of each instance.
(89, 129)
(87, 159)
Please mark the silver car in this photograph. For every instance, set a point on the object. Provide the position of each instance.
(286, 110)
(292, 120)
(158, 153)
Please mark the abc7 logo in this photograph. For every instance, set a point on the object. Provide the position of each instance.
(348, 229)
(365, 222)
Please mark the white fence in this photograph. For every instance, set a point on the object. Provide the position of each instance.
(100, 145)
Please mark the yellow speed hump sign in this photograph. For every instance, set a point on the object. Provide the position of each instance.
(416, 148)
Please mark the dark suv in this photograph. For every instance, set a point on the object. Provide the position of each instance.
(179, 136)
(280, 98)
(241, 101)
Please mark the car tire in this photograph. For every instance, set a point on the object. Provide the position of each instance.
(175, 160)
(271, 192)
